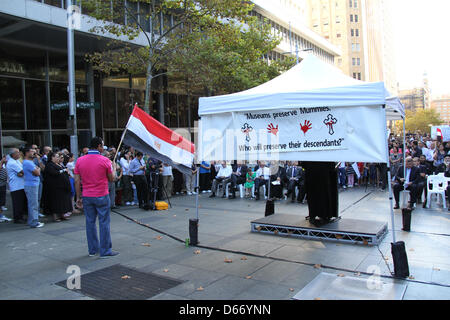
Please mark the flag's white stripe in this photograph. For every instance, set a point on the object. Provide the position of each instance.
(175, 153)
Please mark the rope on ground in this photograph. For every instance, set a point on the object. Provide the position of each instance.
(278, 259)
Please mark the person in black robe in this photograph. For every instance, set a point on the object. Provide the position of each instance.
(277, 178)
(57, 195)
(321, 184)
(177, 181)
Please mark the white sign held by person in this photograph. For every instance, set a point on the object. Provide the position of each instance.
(290, 130)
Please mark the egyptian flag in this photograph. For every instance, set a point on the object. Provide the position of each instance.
(151, 137)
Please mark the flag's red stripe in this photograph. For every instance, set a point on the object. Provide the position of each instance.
(159, 130)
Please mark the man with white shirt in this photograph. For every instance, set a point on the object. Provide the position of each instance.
(167, 176)
(425, 151)
(222, 176)
(262, 178)
(137, 169)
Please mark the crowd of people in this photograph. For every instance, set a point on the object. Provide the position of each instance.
(41, 182)
(424, 157)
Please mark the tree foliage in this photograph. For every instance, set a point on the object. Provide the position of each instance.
(421, 119)
(215, 46)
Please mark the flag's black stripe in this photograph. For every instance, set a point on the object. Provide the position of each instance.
(132, 140)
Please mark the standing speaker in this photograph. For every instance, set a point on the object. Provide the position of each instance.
(401, 268)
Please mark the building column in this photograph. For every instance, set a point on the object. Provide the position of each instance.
(91, 97)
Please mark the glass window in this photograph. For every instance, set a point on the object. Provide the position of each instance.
(357, 32)
(182, 111)
(124, 106)
(351, 18)
(22, 62)
(36, 101)
(194, 110)
(11, 104)
(82, 114)
(58, 93)
(133, 8)
(144, 18)
(58, 68)
(352, 32)
(170, 116)
(56, 3)
(356, 18)
(109, 107)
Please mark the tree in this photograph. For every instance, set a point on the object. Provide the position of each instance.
(421, 119)
(213, 44)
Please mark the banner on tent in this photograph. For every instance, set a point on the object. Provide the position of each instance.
(290, 130)
(300, 134)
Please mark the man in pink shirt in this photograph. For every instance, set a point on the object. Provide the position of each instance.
(93, 171)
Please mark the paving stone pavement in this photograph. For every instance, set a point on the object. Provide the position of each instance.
(262, 266)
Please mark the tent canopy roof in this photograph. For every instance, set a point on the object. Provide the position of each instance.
(311, 83)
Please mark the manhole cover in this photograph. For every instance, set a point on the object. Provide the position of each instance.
(122, 283)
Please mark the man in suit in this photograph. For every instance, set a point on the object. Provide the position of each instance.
(238, 177)
(293, 175)
(410, 182)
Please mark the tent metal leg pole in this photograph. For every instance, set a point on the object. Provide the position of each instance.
(390, 203)
(193, 223)
(197, 190)
(404, 151)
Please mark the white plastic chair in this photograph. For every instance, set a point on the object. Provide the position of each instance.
(438, 186)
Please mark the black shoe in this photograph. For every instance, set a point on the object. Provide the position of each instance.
(232, 196)
(19, 221)
(396, 206)
(424, 205)
(223, 196)
(213, 195)
(256, 197)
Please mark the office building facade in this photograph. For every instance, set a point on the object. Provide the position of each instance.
(33, 76)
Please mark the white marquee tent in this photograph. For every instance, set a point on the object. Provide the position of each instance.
(308, 91)
(313, 112)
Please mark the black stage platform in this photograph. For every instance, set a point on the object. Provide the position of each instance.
(342, 230)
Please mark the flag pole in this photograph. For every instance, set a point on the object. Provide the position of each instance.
(123, 135)
(120, 144)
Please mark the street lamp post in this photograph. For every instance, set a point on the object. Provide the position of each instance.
(72, 121)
